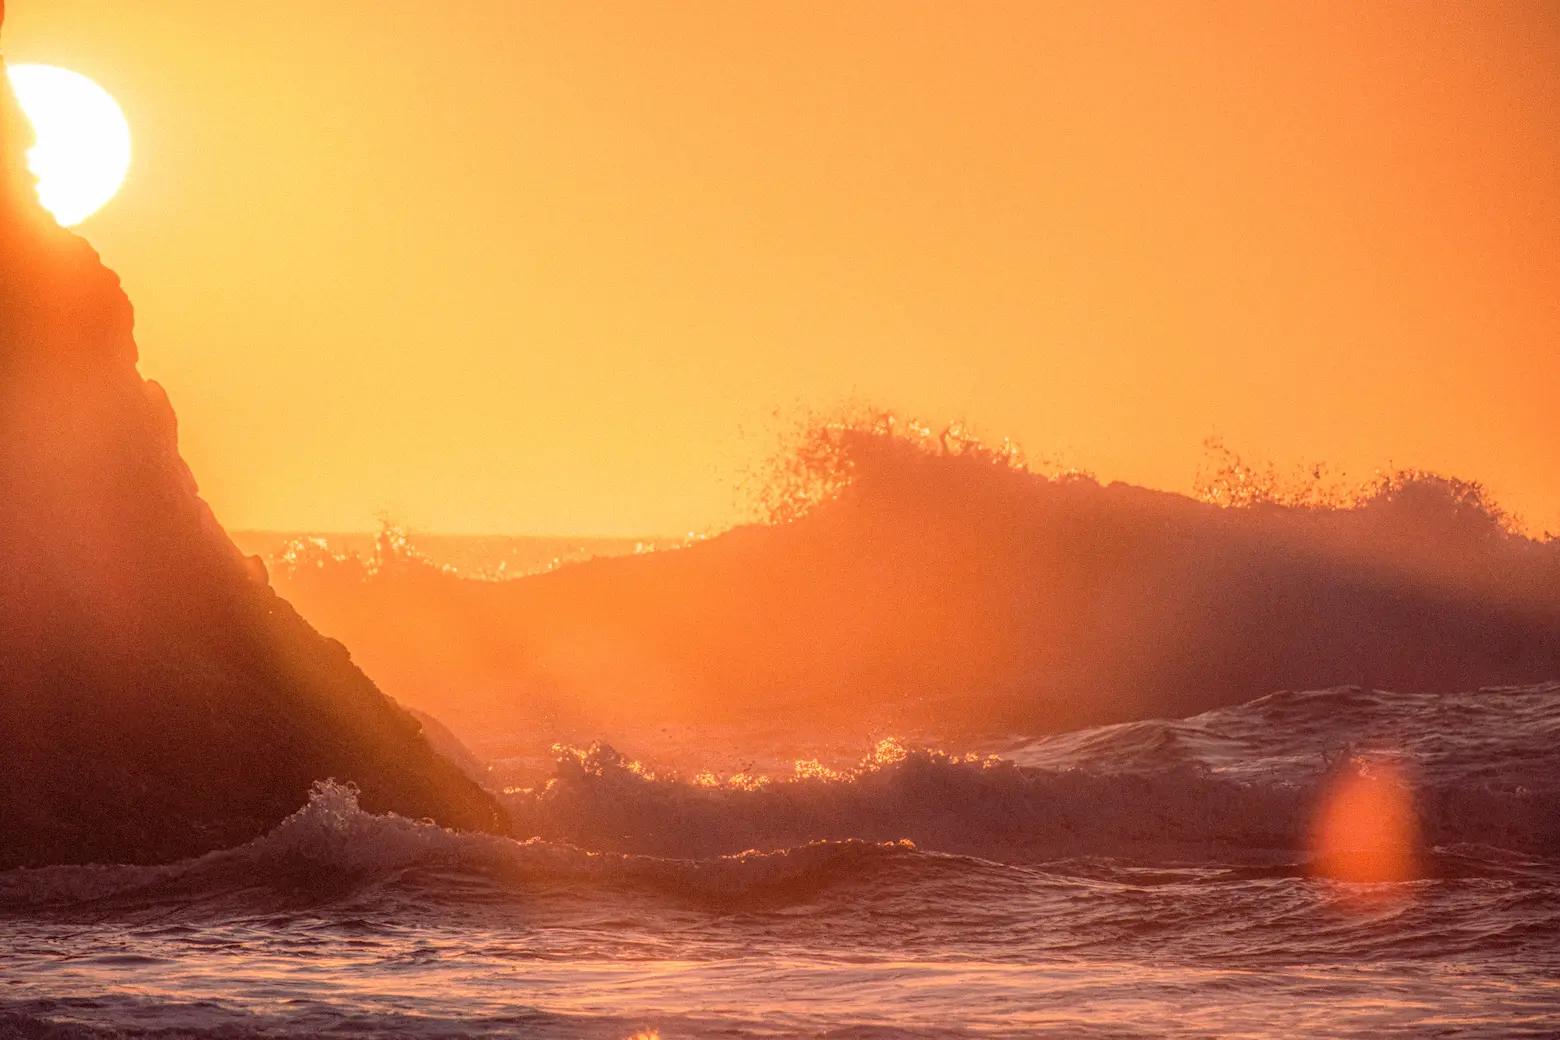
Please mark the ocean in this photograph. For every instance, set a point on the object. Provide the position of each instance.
(1155, 878)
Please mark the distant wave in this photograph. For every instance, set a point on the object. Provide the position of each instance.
(393, 550)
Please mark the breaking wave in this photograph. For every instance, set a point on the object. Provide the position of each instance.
(332, 849)
(1239, 783)
(919, 582)
(1234, 788)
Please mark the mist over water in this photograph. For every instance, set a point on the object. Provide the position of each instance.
(920, 584)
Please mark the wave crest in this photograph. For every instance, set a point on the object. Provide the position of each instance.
(331, 850)
(1238, 783)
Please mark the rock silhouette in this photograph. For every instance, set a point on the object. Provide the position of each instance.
(157, 698)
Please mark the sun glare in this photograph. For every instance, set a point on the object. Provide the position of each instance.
(83, 141)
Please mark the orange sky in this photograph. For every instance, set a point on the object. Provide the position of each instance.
(501, 266)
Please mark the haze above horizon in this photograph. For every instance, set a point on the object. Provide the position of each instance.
(493, 267)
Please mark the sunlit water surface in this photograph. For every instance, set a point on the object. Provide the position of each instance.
(344, 924)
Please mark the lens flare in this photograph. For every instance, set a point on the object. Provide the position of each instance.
(1366, 829)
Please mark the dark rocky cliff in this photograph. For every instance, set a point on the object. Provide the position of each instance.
(157, 698)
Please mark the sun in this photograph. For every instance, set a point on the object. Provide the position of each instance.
(83, 141)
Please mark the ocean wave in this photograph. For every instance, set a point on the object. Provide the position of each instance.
(927, 583)
(1234, 788)
(963, 804)
(332, 849)
(1504, 736)
(1240, 783)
